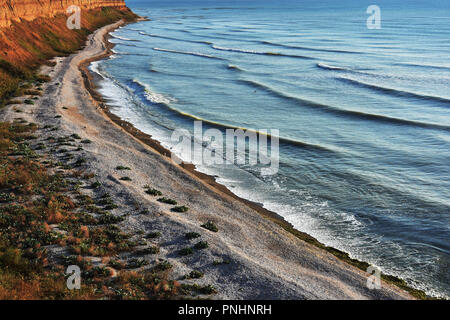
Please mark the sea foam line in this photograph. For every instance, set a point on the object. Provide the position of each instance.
(198, 54)
(153, 96)
(398, 92)
(258, 52)
(343, 112)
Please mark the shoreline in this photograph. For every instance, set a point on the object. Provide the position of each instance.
(91, 85)
(254, 254)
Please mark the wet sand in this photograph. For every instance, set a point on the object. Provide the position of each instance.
(263, 260)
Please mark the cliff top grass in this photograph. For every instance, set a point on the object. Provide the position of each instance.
(27, 45)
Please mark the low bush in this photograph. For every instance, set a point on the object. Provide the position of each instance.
(180, 209)
(186, 251)
(211, 226)
(167, 201)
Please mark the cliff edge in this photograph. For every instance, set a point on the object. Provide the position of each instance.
(34, 31)
(19, 10)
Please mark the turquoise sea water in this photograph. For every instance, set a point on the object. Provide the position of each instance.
(364, 115)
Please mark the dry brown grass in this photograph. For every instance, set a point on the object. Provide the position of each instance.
(16, 287)
(32, 200)
(28, 44)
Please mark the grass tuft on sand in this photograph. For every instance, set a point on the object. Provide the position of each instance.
(38, 209)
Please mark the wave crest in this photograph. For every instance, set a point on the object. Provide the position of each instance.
(234, 67)
(287, 46)
(153, 96)
(328, 67)
(393, 91)
(215, 47)
(197, 54)
(123, 38)
(344, 112)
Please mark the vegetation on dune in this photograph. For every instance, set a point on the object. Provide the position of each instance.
(201, 245)
(46, 222)
(192, 235)
(211, 226)
(152, 192)
(153, 235)
(22, 51)
(168, 201)
(37, 209)
(40, 208)
(194, 274)
(180, 209)
(186, 251)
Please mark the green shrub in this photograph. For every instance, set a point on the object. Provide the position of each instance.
(186, 251)
(219, 262)
(120, 168)
(136, 263)
(153, 192)
(192, 235)
(153, 235)
(168, 201)
(208, 289)
(80, 162)
(96, 185)
(110, 219)
(180, 209)
(201, 245)
(149, 250)
(162, 266)
(211, 226)
(115, 264)
(194, 275)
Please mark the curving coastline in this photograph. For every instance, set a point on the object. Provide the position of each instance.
(210, 181)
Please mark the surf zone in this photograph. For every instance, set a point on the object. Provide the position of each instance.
(237, 146)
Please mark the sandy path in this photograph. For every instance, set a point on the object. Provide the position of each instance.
(266, 262)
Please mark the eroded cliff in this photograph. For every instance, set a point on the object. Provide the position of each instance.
(19, 10)
(36, 30)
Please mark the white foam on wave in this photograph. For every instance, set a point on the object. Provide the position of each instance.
(121, 38)
(236, 50)
(199, 54)
(329, 67)
(304, 211)
(153, 96)
(234, 67)
(95, 67)
(382, 87)
(123, 53)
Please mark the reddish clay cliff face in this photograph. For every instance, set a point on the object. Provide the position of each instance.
(19, 10)
(32, 31)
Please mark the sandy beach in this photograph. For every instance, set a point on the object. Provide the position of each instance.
(263, 260)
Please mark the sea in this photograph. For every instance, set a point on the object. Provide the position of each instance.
(358, 93)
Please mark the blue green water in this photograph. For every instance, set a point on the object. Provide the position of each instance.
(364, 114)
